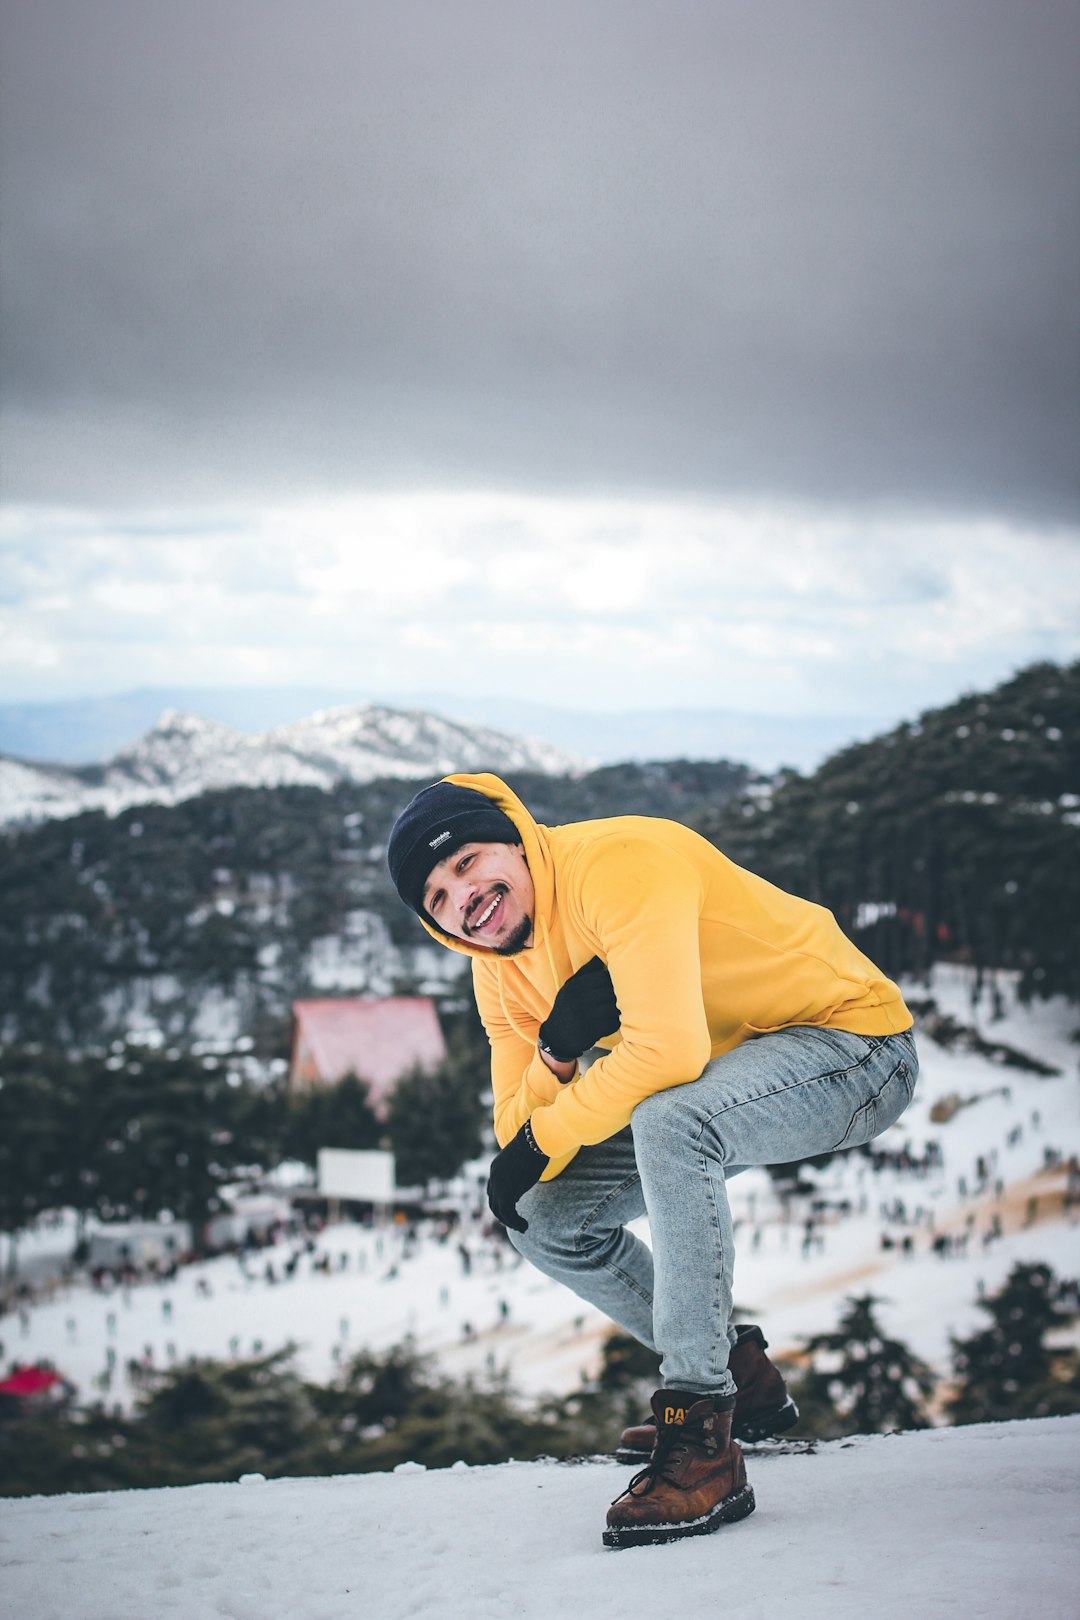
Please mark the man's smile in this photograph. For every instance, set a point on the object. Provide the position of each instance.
(484, 912)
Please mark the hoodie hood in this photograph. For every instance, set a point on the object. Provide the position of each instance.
(537, 854)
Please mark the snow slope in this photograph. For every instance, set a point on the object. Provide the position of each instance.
(375, 1293)
(971, 1523)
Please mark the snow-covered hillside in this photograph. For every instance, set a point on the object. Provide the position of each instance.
(184, 756)
(973, 1524)
(501, 1315)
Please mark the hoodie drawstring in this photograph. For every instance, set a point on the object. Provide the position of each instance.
(541, 928)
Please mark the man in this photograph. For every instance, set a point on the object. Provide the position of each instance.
(739, 1027)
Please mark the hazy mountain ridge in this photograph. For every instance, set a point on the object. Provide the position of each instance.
(81, 731)
(184, 756)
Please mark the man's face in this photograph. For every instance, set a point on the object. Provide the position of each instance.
(483, 894)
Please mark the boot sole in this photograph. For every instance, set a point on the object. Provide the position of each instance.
(762, 1426)
(739, 1505)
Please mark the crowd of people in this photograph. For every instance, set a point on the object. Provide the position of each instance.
(798, 1216)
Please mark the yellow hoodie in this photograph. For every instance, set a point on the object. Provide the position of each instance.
(702, 955)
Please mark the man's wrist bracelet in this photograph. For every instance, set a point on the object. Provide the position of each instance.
(527, 1132)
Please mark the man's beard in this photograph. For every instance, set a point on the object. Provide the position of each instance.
(516, 941)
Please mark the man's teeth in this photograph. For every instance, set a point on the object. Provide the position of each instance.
(482, 919)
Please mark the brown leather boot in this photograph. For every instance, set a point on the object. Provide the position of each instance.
(763, 1407)
(695, 1480)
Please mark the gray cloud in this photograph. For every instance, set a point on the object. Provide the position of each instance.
(822, 251)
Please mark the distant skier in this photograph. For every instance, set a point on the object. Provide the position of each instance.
(739, 1026)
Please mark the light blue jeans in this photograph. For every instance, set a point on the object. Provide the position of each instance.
(775, 1099)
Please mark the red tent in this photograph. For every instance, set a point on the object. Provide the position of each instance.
(29, 1381)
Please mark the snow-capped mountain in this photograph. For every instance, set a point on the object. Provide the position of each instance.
(184, 756)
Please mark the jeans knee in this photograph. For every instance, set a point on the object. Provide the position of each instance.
(556, 1245)
(547, 1238)
(658, 1115)
(531, 1209)
(520, 1240)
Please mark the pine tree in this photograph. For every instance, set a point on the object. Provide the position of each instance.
(39, 1098)
(154, 1131)
(627, 1364)
(396, 1407)
(217, 1420)
(860, 1381)
(435, 1121)
(331, 1116)
(1007, 1370)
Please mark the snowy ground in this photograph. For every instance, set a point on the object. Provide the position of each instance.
(504, 1316)
(968, 1523)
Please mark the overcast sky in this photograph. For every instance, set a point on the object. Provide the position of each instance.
(703, 353)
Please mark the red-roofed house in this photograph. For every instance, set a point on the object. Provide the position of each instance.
(380, 1039)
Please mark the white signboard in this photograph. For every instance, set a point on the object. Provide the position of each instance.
(365, 1177)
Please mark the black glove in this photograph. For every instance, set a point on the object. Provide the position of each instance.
(584, 1010)
(517, 1167)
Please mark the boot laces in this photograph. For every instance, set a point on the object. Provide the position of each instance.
(671, 1447)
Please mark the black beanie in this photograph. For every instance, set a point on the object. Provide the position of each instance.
(432, 826)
